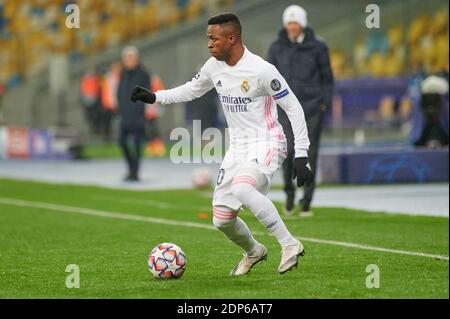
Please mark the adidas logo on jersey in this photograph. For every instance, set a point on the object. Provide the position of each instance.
(219, 84)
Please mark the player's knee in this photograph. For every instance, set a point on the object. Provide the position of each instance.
(223, 217)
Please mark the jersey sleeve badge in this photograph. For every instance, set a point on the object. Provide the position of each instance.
(275, 85)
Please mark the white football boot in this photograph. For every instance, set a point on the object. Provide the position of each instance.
(244, 266)
(305, 213)
(289, 256)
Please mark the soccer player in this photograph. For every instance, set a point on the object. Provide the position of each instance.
(249, 89)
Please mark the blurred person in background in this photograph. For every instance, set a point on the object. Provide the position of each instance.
(110, 86)
(203, 109)
(303, 60)
(90, 94)
(430, 113)
(155, 143)
(131, 115)
(2, 92)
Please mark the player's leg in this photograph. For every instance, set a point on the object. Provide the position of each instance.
(315, 124)
(238, 232)
(123, 142)
(138, 139)
(246, 188)
(225, 210)
(289, 187)
(288, 164)
(226, 220)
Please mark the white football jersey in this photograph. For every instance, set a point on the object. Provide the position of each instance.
(248, 92)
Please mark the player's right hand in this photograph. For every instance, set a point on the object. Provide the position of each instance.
(303, 172)
(142, 94)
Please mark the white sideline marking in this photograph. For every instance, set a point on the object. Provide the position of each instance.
(149, 202)
(101, 213)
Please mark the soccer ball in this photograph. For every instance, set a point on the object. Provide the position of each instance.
(201, 178)
(167, 261)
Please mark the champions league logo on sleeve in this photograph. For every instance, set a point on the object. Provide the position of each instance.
(275, 85)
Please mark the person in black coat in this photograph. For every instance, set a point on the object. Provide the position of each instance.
(303, 60)
(131, 115)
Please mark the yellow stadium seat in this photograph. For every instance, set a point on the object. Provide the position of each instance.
(418, 28)
(439, 23)
(405, 108)
(193, 9)
(416, 55)
(393, 65)
(395, 36)
(386, 108)
(376, 65)
(337, 60)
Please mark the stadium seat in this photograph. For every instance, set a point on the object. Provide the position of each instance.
(105, 24)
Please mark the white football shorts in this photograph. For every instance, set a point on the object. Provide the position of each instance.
(266, 157)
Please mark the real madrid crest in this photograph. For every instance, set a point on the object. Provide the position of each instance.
(245, 87)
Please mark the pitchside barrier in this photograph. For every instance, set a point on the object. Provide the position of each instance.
(385, 165)
(341, 166)
(25, 143)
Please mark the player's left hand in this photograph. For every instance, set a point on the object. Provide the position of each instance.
(302, 171)
(142, 94)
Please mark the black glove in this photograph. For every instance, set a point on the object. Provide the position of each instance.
(142, 94)
(302, 170)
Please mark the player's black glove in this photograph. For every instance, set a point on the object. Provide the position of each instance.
(142, 94)
(302, 170)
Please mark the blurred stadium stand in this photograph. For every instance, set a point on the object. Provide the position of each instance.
(37, 29)
(33, 33)
(412, 32)
(378, 71)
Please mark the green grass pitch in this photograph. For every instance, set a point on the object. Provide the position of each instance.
(38, 242)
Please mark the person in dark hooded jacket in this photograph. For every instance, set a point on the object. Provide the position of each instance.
(303, 60)
(131, 115)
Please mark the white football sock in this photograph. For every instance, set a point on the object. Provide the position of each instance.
(264, 210)
(239, 233)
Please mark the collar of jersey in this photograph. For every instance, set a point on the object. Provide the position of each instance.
(240, 60)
